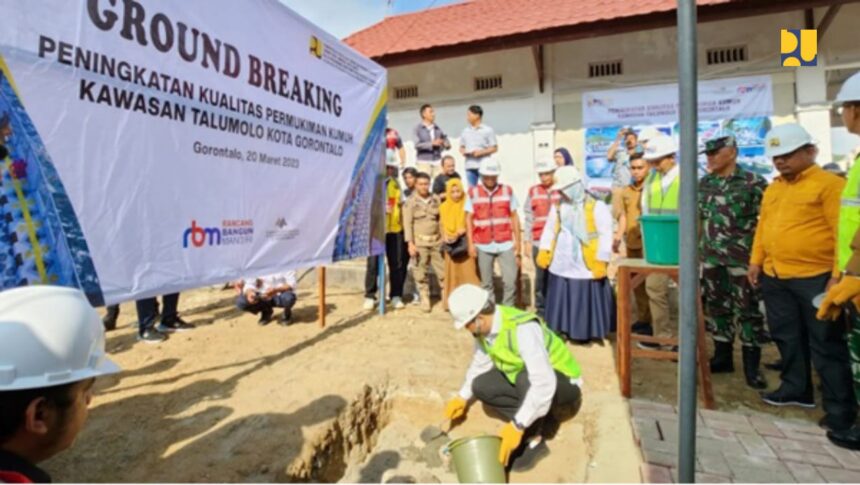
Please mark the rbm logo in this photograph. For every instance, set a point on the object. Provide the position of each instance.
(798, 47)
(198, 236)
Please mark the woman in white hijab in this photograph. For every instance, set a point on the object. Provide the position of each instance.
(576, 246)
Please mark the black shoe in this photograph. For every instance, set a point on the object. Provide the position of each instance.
(775, 365)
(286, 318)
(752, 357)
(265, 317)
(178, 325)
(648, 345)
(109, 324)
(151, 336)
(777, 399)
(530, 457)
(723, 360)
(846, 438)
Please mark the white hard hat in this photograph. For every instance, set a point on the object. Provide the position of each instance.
(566, 176)
(850, 90)
(490, 167)
(392, 162)
(784, 139)
(545, 165)
(660, 147)
(49, 335)
(648, 133)
(465, 303)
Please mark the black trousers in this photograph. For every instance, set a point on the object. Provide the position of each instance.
(493, 389)
(147, 309)
(398, 259)
(802, 339)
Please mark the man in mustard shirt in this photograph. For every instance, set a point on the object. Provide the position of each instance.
(793, 259)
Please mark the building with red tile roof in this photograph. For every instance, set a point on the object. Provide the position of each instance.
(531, 63)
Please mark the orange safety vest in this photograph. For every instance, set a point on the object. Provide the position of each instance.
(541, 200)
(491, 214)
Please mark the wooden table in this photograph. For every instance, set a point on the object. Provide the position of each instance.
(631, 274)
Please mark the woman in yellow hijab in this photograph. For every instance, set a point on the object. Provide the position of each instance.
(460, 268)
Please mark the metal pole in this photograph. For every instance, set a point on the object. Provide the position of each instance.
(321, 282)
(689, 275)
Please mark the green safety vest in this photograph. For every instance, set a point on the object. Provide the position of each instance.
(849, 214)
(505, 352)
(658, 202)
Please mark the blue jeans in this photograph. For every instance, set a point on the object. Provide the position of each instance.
(473, 176)
(285, 300)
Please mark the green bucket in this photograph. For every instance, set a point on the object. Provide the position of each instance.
(660, 237)
(476, 459)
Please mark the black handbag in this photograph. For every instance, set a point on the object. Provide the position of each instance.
(457, 248)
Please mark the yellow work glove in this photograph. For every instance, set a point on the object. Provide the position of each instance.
(456, 408)
(840, 293)
(511, 438)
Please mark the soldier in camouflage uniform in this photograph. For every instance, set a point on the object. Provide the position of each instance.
(729, 201)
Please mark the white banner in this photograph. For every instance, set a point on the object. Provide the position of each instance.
(647, 105)
(157, 146)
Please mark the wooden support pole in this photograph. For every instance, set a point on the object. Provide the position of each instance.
(321, 283)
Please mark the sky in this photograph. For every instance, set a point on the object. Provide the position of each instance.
(343, 17)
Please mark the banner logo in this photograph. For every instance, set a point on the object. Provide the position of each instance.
(798, 47)
(282, 231)
(316, 47)
(232, 232)
(198, 236)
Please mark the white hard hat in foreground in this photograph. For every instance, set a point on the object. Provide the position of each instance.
(660, 147)
(545, 165)
(465, 303)
(490, 167)
(850, 91)
(49, 335)
(566, 176)
(784, 139)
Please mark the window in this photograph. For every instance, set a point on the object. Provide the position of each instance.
(605, 69)
(405, 92)
(727, 55)
(489, 82)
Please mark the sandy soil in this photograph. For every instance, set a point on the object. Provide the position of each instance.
(235, 402)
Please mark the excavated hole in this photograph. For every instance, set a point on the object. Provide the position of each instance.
(366, 444)
(350, 438)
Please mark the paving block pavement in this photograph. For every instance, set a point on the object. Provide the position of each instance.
(740, 447)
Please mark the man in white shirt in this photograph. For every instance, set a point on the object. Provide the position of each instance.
(477, 142)
(261, 295)
(520, 368)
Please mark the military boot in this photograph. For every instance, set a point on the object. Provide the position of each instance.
(752, 357)
(723, 361)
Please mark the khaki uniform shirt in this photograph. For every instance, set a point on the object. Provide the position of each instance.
(632, 198)
(421, 221)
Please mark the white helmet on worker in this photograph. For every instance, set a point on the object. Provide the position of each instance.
(660, 147)
(49, 336)
(849, 92)
(490, 167)
(545, 165)
(648, 133)
(784, 139)
(566, 176)
(465, 303)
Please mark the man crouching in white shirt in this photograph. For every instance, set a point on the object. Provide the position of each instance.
(521, 369)
(261, 295)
